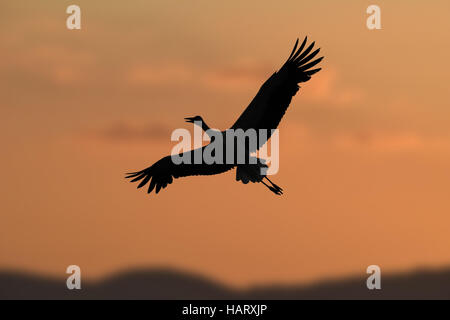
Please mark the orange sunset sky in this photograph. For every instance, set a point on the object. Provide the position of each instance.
(364, 146)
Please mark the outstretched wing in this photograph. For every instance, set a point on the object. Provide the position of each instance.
(162, 172)
(273, 98)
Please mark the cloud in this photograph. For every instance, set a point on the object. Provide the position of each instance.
(369, 140)
(122, 131)
(242, 75)
(161, 74)
(327, 89)
(237, 76)
(390, 141)
(55, 63)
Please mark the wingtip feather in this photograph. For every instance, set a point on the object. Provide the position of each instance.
(300, 49)
(293, 50)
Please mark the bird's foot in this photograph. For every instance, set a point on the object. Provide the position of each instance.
(278, 190)
(274, 188)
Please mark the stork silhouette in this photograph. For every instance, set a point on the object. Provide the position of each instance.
(265, 111)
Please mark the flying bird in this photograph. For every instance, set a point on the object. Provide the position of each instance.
(265, 111)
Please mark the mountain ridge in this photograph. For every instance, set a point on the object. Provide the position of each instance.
(162, 283)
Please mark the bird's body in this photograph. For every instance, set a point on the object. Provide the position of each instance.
(263, 113)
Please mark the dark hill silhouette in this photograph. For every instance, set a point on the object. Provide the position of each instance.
(171, 284)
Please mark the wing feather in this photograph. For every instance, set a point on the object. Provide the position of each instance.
(163, 172)
(269, 105)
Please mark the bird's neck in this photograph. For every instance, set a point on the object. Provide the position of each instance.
(205, 127)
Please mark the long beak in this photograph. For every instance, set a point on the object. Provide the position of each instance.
(190, 120)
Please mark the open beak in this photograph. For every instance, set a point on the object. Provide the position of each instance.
(190, 120)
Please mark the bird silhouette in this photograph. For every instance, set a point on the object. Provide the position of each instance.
(265, 111)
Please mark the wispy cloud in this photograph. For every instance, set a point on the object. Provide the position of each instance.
(126, 131)
(391, 141)
(329, 90)
(233, 77)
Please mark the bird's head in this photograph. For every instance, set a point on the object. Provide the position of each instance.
(193, 119)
